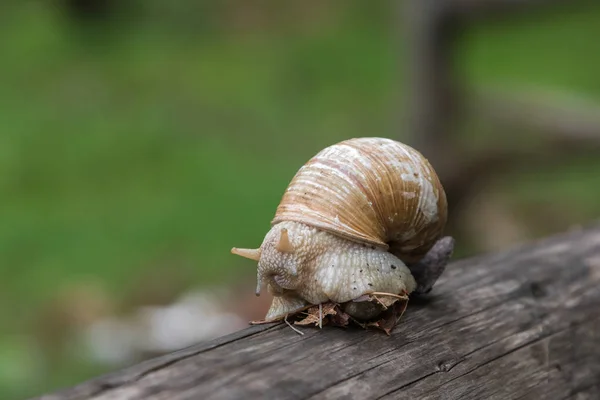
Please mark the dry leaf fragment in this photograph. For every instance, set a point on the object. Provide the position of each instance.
(318, 314)
(392, 306)
(390, 317)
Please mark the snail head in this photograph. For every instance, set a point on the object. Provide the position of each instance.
(278, 260)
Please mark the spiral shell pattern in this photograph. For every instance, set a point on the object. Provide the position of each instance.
(374, 191)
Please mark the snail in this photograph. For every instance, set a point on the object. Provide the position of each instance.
(365, 215)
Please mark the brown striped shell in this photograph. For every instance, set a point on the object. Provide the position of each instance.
(371, 190)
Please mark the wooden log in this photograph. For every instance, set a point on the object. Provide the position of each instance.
(520, 324)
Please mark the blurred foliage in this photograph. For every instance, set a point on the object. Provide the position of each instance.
(158, 136)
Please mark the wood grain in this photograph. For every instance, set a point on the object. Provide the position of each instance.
(520, 324)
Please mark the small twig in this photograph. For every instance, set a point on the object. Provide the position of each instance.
(261, 322)
(405, 306)
(320, 315)
(401, 297)
(380, 302)
(364, 297)
(359, 323)
(291, 326)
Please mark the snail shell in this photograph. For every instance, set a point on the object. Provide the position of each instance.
(351, 220)
(375, 191)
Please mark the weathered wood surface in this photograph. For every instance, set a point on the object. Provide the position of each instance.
(520, 324)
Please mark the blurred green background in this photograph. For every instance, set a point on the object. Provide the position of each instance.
(138, 145)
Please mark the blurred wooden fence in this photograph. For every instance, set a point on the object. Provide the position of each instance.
(438, 101)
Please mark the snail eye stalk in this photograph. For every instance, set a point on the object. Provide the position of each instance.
(252, 254)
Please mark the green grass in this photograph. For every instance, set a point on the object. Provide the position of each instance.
(121, 152)
(551, 49)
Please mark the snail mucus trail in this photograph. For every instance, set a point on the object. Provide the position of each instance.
(359, 226)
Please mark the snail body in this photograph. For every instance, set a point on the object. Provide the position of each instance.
(351, 222)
